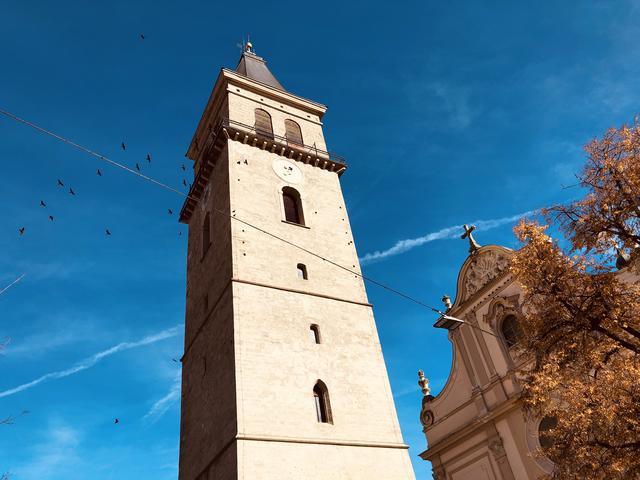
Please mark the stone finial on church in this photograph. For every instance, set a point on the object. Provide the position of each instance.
(473, 245)
(424, 384)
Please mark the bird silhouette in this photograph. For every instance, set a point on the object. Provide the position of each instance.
(21, 230)
(137, 167)
(60, 184)
(179, 234)
(42, 204)
(142, 36)
(170, 211)
(183, 167)
(51, 217)
(175, 360)
(184, 182)
(107, 232)
(148, 158)
(123, 146)
(99, 173)
(71, 191)
(116, 421)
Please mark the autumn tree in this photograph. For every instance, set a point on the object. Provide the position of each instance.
(581, 324)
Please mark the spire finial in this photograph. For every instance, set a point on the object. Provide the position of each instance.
(248, 47)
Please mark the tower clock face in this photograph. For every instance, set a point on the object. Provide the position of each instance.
(287, 171)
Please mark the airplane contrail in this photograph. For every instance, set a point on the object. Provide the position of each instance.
(402, 246)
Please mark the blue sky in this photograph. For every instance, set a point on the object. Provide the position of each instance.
(446, 114)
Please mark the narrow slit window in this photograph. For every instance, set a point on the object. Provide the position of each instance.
(321, 399)
(314, 333)
(264, 126)
(302, 271)
(292, 206)
(206, 234)
(293, 132)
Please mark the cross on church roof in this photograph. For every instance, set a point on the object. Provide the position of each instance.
(473, 245)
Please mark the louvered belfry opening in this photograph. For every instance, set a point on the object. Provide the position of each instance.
(264, 126)
(294, 133)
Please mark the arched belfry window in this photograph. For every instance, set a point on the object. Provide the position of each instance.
(511, 330)
(292, 206)
(294, 133)
(264, 126)
(321, 398)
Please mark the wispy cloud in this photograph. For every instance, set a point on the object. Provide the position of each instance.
(402, 246)
(94, 359)
(56, 454)
(161, 406)
(454, 102)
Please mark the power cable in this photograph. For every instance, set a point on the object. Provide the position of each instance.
(244, 222)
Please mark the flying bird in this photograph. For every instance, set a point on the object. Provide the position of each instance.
(183, 167)
(42, 204)
(137, 167)
(148, 158)
(60, 184)
(170, 211)
(175, 360)
(179, 234)
(184, 182)
(142, 36)
(51, 217)
(21, 230)
(71, 191)
(107, 232)
(123, 146)
(116, 421)
(99, 173)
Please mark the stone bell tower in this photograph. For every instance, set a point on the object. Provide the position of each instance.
(283, 375)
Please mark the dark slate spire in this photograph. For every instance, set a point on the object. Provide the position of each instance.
(254, 67)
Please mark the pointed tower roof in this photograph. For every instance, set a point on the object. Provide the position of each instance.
(255, 67)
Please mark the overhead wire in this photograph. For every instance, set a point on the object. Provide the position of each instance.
(229, 215)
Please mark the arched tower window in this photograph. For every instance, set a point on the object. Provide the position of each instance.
(294, 133)
(292, 206)
(302, 271)
(511, 330)
(206, 234)
(264, 126)
(314, 333)
(321, 398)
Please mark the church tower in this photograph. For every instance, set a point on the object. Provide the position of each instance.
(283, 374)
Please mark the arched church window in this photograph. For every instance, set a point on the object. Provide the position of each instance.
(206, 234)
(314, 333)
(302, 271)
(545, 431)
(321, 398)
(294, 133)
(511, 330)
(292, 206)
(264, 126)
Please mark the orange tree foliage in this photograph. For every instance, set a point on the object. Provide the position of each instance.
(581, 324)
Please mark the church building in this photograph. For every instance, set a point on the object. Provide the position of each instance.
(283, 373)
(475, 427)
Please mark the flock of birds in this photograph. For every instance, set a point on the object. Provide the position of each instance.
(61, 184)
